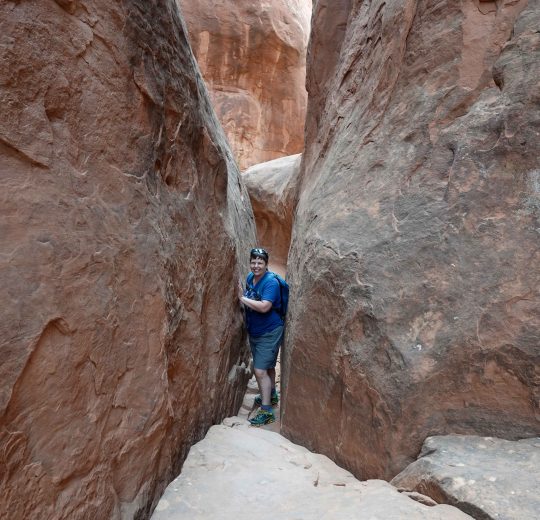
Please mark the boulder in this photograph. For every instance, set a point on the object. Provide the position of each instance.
(240, 472)
(252, 55)
(414, 305)
(488, 478)
(272, 186)
(123, 222)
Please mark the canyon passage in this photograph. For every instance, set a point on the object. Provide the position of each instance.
(390, 167)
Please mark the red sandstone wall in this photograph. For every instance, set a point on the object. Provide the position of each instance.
(414, 263)
(252, 56)
(122, 222)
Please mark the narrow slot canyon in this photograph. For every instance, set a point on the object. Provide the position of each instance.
(385, 154)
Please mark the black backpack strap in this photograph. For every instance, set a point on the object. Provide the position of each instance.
(249, 281)
(280, 312)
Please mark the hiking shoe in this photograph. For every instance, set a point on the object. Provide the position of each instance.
(274, 399)
(263, 417)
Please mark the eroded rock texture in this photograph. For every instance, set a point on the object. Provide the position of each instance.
(122, 215)
(414, 263)
(272, 188)
(252, 56)
(491, 479)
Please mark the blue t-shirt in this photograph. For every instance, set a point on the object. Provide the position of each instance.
(259, 323)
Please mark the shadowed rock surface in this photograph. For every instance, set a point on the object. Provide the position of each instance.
(490, 479)
(241, 473)
(415, 247)
(123, 216)
(272, 187)
(252, 55)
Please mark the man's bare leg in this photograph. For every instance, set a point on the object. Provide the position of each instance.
(265, 385)
(272, 375)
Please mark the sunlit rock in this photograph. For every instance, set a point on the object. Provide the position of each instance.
(272, 188)
(252, 55)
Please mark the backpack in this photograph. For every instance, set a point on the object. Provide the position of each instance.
(283, 291)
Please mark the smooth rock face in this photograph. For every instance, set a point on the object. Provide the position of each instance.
(241, 473)
(488, 478)
(272, 187)
(122, 220)
(252, 55)
(414, 304)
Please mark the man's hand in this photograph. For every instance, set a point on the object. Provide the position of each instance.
(259, 306)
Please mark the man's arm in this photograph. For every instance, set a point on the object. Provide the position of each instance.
(259, 306)
(262, 306)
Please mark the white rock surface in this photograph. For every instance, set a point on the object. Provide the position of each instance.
(241, 473)
(489, 478)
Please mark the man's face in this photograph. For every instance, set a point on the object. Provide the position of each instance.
(258, 266)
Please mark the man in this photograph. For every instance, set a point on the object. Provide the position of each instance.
(265, 328)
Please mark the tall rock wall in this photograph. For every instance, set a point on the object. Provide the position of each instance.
(414, 262)
(122, 221)
(252, 56)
